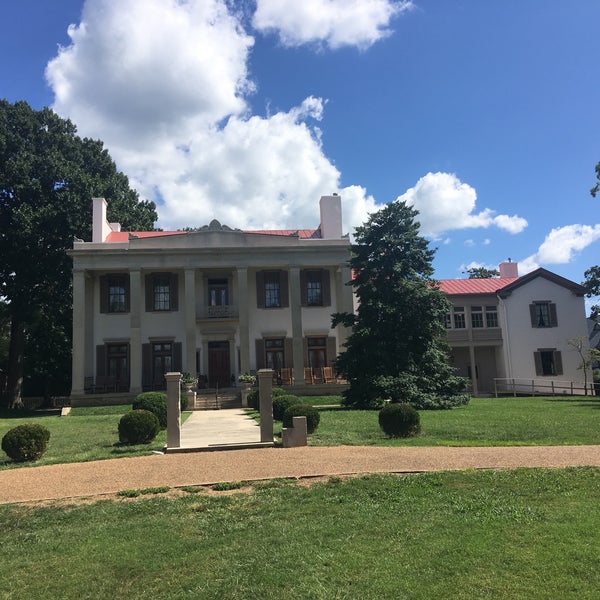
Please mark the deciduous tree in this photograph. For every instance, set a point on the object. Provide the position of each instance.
(482, 273)
(48, 176)
(397, 348)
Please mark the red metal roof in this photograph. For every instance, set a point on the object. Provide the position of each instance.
(304, 234)
(123, 236)
(458, 287)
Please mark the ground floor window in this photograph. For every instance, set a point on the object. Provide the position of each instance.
(548, 361)
(275, 354)
(317, 351)
(162, 360)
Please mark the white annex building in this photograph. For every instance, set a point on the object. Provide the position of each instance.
(216, 302)
(513, 332)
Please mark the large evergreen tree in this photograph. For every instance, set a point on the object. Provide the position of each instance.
(397, 347)
(48, 176)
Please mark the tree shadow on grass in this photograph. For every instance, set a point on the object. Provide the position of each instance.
(24, 413)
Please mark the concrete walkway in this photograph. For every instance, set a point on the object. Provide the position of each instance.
(215, 429)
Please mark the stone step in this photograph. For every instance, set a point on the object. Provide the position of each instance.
(207, 400)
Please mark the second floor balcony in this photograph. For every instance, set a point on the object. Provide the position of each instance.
(221, 311)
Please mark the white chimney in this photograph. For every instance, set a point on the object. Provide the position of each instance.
(100, 226)
(509, 269)
(331, 216)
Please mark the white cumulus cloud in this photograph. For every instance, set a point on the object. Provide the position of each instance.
(446, 203)
(562, 245)
(336, 23)
(164, 84)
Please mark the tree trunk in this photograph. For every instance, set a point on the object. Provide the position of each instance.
(16, 349)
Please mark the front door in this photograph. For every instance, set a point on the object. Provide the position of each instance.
(219, 371)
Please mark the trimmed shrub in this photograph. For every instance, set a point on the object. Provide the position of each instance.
(302, 410)
(281, 403)
(138, 427)
(154, 402)
(26, 442)
(400, 420)
(253, 399)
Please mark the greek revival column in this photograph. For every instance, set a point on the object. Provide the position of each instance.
(296, 310)
(242, 282)
(135, 336)
(78, 359)
(190, 321)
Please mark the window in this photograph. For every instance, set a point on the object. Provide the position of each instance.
(491, 316)
(476, 317)
(272, 289)
(162, 361)
(218, 292)
(275, 354)
(161, 292)
(548, 361)
(116, 355)
(114, 293)
(448, 320)
(315, 287)
(159, 357)
(543, 314)
(317, 351)
(458, 313)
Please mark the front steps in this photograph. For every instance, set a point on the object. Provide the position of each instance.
(218, 399)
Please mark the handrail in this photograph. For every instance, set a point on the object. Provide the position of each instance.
(533, 387)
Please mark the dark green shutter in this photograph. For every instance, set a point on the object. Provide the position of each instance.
(260, 289)
(303, 288)
(288, 350)
(331, 352)
(326, 287)
(283, 286)
(260, 354)
(103, 293)
(177, 357)
(149, 292)
(174, 292)
(146, 365)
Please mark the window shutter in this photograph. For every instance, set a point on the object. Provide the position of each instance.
(128, 365)
(305, 352)
(537, 357)
(127, 292)
(532, 314)
(303, 288)
(101, 361)
(331, 352)
(283, 287)
(146, 365)
(103, 294)
(558, 362)
(260, 354)
(149, 292)
(174, 291)
(326, 287)
(288, 353)
(260, 289)
(177, 357)
(552, 312)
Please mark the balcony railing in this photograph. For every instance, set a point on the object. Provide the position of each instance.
(486, 334)
(229, 311)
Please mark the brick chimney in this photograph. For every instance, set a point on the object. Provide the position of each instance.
(509, 269)
(331, 216)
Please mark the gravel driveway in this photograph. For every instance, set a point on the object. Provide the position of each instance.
(96, 478)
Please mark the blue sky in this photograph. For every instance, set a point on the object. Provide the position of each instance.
(482, 114)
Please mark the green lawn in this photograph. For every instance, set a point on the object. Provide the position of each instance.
(528, 533)
(86, 434)
(483, 422)
(91, 433)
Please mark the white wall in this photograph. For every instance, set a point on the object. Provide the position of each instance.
(521, 340)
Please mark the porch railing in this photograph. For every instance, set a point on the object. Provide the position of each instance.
(541, 387)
